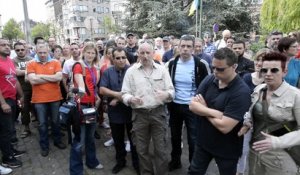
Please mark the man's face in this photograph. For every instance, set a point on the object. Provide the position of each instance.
(207, 39)
(198, 47)
(186, 48)
(131, 40)
(66, 49)
(51, 42)
(20, 51)
(221, 70)
(4, 48)
(75, 51)
(166, 44)
(158, 42)
(119, 59)
(42, 53)
(226, 36)
(121, 43)
(99, 45)
(145, 53)
(274, 40)
(272, 72)
(229, 43)
(238, 49)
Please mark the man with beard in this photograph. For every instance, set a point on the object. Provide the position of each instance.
(244, 65)
(273, 40)
(9, 87)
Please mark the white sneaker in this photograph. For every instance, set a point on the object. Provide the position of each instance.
(127, 148)
(99, 167)
(4, 170)
(105, 125)
(109, 142)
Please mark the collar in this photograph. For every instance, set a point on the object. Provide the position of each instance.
(139, 65)
(37, 59)
(282, 88)
(236, 78)
(2, 58)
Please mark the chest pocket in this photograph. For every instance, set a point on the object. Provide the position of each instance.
(281, 110)
(158, 83)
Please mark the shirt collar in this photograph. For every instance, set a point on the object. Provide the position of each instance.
(236, 78)
(37, 59)
(139, 65)
(282, 88)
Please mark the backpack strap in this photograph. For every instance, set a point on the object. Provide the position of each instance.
(83, 74)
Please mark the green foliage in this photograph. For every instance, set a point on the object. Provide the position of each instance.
(255, 47)
(283, 15)
(12, 30)
(42, 30)
(108, 25)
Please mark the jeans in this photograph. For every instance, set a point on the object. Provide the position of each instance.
(202, 158)
(6, 132)
(87, 143)
(43, 110)
(178, 114)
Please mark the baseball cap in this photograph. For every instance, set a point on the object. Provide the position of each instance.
(129, 34)
(166, 38)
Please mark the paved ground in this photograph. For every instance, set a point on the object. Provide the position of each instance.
(58, 160)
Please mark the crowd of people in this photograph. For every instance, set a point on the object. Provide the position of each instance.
(147, 85)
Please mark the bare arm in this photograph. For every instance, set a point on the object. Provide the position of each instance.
(64, 80)
(35, 79)
(52, 78)
(20, 72)
(110, 93)
(78, 78)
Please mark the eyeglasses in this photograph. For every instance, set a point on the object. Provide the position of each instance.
(118, 58)
(18, 50)
(266, 70)
(219, 69)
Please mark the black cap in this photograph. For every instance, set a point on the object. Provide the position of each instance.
(129, 34)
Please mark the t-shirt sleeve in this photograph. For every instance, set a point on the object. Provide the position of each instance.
(238, 105)
(57, 66)
(77, 69)
(104, 82)
(30, 67)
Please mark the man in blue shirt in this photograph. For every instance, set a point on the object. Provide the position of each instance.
(221, 102)
(209, 48)
(119, 114)
(187, 71)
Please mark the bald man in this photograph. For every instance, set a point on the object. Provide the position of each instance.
(222, 42)
(147, 86)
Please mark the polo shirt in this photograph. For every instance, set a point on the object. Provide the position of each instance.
(233, 100)
(113, 80)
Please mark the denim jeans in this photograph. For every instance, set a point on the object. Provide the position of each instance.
(6, 132)
(87, 143)
(43, 111)
(178, 114)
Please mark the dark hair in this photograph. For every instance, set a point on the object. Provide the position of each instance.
(121, 38)
(118, 49)
(37, 38)
(74, 44)
(285, 43)
(239, 42)
(276, 56)
(226, 54)
(111, 43)
(187, 38)
(56, 47)
(18, 44)
(275, 32)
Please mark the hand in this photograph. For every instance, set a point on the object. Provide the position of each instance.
(5, 108)
(243, 130)
(98, 101)
(161, 95)
(200, 99)
(114, 102)
(263, 146)
(21, 101)
(136, 101)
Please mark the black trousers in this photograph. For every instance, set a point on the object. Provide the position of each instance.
(118, 134)
(6, 129)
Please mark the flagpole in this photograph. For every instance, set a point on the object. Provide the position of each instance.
(196, 20)
(200, 21)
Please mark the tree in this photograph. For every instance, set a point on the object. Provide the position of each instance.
(12, 30)
(42, 30)
(109, 26)
(283, 15)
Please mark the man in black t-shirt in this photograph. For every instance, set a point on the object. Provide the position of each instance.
(220, 103)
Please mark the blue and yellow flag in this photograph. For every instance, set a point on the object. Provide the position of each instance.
(193, 8)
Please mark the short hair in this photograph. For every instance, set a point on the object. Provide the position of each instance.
(275, 32)
(111, 43)
(74, 44)
(276, 56)
(226, 54)
(239, 42)
(18, 44)
(118, 49)
(285, 43)
(42, 45)
(37, 38)
(187, 38)
(261, 53)
(56, 47)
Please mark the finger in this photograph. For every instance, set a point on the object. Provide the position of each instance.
(265, 134)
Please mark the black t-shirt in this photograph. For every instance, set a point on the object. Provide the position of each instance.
(233, 100)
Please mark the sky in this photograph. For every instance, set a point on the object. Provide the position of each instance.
(14, 9)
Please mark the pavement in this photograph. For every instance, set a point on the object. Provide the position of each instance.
(57, 162)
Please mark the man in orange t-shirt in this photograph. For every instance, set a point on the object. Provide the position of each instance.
(45, 74)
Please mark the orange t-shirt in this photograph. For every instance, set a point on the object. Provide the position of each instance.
(47, 92)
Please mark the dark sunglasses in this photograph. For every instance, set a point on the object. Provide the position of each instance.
(18, 50)
(118, 58)
(265, 70)
(219, 69)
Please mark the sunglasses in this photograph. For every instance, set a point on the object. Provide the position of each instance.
(118, 58)
(265, 70)
(18, 50)
(219, 69)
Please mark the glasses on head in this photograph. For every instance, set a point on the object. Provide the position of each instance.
(266, 70)
(219, 69)
(18, 50)
(123, 58)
